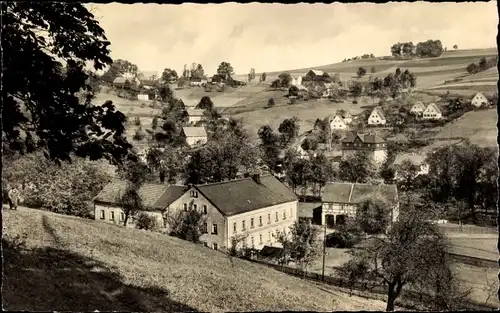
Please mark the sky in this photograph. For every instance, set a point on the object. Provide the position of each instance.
(273, 37)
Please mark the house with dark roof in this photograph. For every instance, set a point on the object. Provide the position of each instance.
(317, 75)
(157, 199)
(377, 117)
(370, 143)
(340, 200)
(253, 208)
(195, 135)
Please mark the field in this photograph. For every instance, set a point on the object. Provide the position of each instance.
(74, 264)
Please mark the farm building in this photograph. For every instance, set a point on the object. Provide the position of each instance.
(432, 112)
(194, 115)
(337, 123)
(316, 75)
(377, 117)
(340, 201)
(195, 135)
(479, 100)
(147, 78)
(375, 146)
(417, 108)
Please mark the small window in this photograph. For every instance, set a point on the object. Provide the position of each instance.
(205, 211)
(185, 207)
(277, 216)
(251, 222)
(268, 218)
(284, 215)
(234, 227)
(214, 229)
(112, 217)
(260, 238)
(122, 216)
(243, 227)
(195, 206)
(215, 247)
(260, 220)
(205, 228)
(103, 215)
(251, 242)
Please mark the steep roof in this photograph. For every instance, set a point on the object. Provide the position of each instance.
(194, 131)
(154, 196)
(434, 107)
(479, 95)
(365, 138)
(194, 112)
(244, 195)
(317, 72)
(356, 193)
(380, 113)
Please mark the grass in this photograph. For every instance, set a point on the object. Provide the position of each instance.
(74, 264)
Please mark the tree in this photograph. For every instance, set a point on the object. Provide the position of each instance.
(407, 48)
(269, 144)
(251, 75)
(482, 64)
(146, 222)
(205, 104)
(41, 101)
(188, 224)
(225, 70)
(197, 72)
(134, 172)
(154, 123)
(169, 75)
(373, 215)
(118, 68)
(270, 103)
(263, 76)
(472, 68)
(358, 168)
(356, 89)
(361, 72)
(396, 49)
(299, 174)
(455, 47)
(289, 130)
(429, 48)
(321, 172)
(373, 70)
(285, 79)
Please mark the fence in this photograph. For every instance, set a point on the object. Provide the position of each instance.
(409, 296)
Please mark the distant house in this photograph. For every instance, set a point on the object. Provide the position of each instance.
(418, 108)
(346, 116)
(377, 117)
(375, 146)
(156, 198)
(479, 100)
(194, 115)
(316, 75)
(432, 112)
(195, 135)
(416, 159)
(296, 80)
(337, 123)
(147, 78)
(340, 201)
(121, 81)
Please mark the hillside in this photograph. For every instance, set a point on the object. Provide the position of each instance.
(74, 264)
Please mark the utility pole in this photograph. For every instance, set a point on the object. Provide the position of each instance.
(324, 254)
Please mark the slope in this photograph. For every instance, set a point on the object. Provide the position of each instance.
(75, 264)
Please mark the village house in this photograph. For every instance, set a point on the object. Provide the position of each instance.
(414, 158)
(194, 115)
(377, 117)
(156, 199)
(147, 78)
(432, 112)
(370, 143)
(337, 123)
(417, 108)
(195, 136)
(121, 81)
(346, 116)
(479, 100)
(316, 75)
(296, 80)
(340, 201)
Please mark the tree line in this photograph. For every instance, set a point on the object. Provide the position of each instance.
(426, 49)
(482, 65)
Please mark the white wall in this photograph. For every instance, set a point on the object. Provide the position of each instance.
(192, 141)
(119, 215)
(194, 119)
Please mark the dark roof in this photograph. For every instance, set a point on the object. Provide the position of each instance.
(365, 138)
(306, 208)
(356, 193)
(244, 195)
(154, 196)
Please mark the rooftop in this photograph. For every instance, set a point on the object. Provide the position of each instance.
(365, 138)
(356, 193)
(194, 131)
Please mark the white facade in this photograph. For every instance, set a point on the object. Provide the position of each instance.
(376, 118)
(418, 108)
(115, 215)
(479, 100)
(337, 123)
(143, 97)
(347, 118)
(432, 112)
(193, 141)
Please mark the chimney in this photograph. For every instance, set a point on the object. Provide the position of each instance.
(256, 178)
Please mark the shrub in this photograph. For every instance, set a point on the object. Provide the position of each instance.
(146, 222)
(143, 105)
(137, 121)
(270, 103)
(342, 240)
(139, 134)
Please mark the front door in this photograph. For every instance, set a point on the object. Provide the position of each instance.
(341, 219)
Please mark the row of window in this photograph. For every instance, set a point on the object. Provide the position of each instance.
(214, 245)
(252, 221)
(214, 229)
(112, 215)
(260, 238)
(195, 206)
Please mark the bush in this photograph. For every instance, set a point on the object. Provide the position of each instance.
(139, 134)
(143, 105)
(342, 240)
(137, 121)
(146, 222)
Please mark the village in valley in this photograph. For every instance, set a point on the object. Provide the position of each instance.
(366, 184)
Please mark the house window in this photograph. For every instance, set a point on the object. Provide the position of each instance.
(284, 215)
(205, 244)
(291, 212)
(112, 217)
(194, 193)
(194, 206)
(260, 238)
(268, 218)
(251, 242)
(205, 211)
(185, 207)
(243, 227)
(260, 220)
(205, 228)
(234, 228)
(215, 246)
(251, 222)
(103, 215)
(277, 216)
(122, 216)
(214, 229)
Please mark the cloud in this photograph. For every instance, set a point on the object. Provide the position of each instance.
(271, 37)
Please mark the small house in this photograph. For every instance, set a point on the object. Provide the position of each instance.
(432, 112)
(337, 123)
(377, 117)
(346, 116)
(195, 136)
(479, 100)
(194, 115)
(417, 108)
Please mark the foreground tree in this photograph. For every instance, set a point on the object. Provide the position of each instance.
(41, 108)
(188, 224)
(289, 130)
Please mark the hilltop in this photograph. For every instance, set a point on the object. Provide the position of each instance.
(75, 264)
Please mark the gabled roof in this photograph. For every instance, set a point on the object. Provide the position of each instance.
(379, 111)
(365, 138)
(244, 195)
(194, 131)
(356, 193)
(154, 196)
(434, 107)
(317, 72)
(336, 117)
(479, 95)
(194, 112)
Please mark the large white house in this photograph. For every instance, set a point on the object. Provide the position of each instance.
(432, 112)
(340, 200)
(479, 100)
(337, 123)
(417, 108)
(195, 135)
(377, 117)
